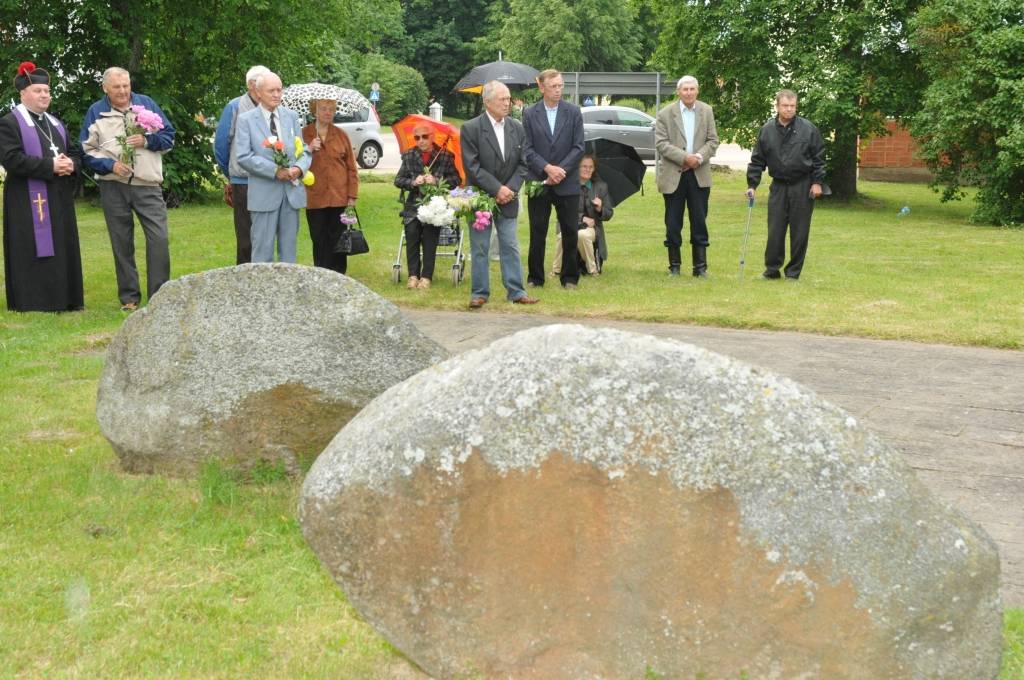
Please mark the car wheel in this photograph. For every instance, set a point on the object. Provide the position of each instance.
(369, 155)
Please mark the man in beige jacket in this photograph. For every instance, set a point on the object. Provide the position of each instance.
(686, 139)
(129, 185)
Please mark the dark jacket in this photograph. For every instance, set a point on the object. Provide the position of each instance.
(443, 168)
(485, 167)
(564, 148)
(790, 152)
(587, 209)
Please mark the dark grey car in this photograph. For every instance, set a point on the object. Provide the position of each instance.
(621, 124)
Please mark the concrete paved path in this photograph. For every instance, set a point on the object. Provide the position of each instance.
(955, 413)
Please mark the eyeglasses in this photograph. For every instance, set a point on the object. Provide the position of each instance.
(419, 137)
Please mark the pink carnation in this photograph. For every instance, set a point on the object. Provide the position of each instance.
(146, 119)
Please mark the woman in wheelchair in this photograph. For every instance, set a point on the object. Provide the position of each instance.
(595, 209)
(424, 163)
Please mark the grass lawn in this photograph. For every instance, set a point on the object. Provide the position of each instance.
(112, 575)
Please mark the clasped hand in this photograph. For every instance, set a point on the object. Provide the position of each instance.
(288, 174)
(62, 165)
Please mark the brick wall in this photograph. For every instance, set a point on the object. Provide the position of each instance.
(892, 157)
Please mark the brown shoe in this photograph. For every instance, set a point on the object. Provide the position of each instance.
(477, 303)
(525, 300)
(129, 307)
(414, 282)
(424, 284)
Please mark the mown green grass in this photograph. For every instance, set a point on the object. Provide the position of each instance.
(111, 575)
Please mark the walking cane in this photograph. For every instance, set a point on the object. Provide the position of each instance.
(746, 235)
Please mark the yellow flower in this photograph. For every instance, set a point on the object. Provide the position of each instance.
(308, 178)
(298, 147)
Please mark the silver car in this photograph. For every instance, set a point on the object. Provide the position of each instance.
(621, 124)
(363, 130)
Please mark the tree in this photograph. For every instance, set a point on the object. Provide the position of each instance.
(578, 35)
(190, 60)
(437, 41)
(402, 88)
(971, 122)
(847, 59)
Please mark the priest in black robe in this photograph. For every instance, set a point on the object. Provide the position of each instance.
(42, 262)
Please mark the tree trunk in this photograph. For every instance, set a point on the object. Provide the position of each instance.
(843, 178)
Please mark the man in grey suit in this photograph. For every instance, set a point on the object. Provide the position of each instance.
(553, 149)
(275, 193)
(686, 139)
(492, 145)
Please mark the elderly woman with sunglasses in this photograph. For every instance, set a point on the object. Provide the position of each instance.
(424, 163)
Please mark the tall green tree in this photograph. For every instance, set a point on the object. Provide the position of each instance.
(190, 59)
(847, 59)
(971, 122)
(438, 42)
(572, 35)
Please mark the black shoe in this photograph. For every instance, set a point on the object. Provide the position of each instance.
(771, 274)
(700, 273)
(700, 261)
(673, 270)
(534, 284)
(569, 285)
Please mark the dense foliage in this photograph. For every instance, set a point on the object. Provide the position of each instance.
(402, 88)
(971, 122)
(191, 60)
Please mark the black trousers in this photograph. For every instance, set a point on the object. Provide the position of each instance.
(567, 210)
(243, 223)
(419, 235)
(789, 205)
(692, 195)
(324, 228)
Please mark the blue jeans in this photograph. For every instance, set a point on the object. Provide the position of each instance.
(508, 252)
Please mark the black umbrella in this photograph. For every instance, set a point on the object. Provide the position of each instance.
(515, 75)
(620, 166)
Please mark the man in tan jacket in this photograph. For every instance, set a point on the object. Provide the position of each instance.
(686, 139)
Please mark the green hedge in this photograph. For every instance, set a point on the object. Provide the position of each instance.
(402, 88)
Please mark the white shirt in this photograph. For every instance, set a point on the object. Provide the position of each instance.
(689, 116)
(499, 132)
(277, 117)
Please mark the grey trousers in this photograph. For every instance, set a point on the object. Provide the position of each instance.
(789, 205)
(280, 226)
(119, 200)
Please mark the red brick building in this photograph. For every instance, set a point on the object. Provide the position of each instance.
(892, 158)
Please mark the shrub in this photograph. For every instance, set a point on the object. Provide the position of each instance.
(637, 104)
(402, 88)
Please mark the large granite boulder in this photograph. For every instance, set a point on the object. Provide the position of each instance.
(588, 503)
(251, 365)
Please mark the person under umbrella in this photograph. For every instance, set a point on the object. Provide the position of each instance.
(595, 209)
(424, 163)
(335, 184)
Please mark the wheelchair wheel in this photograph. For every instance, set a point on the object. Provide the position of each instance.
(396, 273)
(456, 274)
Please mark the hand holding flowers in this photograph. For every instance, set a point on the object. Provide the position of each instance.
(138, 121)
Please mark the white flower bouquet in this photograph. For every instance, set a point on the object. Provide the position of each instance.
(436, 211)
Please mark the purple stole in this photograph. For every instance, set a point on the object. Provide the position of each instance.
(37, 194)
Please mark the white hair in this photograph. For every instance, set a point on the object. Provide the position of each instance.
(687, 79)
(114, 71)
(489, 87)
(255, 72)
(263, 76)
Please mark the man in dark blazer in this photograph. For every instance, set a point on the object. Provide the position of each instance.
(492, 154)
(553, 148)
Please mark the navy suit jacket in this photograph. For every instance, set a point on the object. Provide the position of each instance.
(564, 148)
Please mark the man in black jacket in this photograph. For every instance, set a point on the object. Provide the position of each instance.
(794, 153)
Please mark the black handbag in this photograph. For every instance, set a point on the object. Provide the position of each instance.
(351, 241)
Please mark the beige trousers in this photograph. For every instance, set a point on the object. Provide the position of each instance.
(584, 244)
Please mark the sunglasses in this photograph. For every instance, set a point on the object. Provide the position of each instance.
(426, 136)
